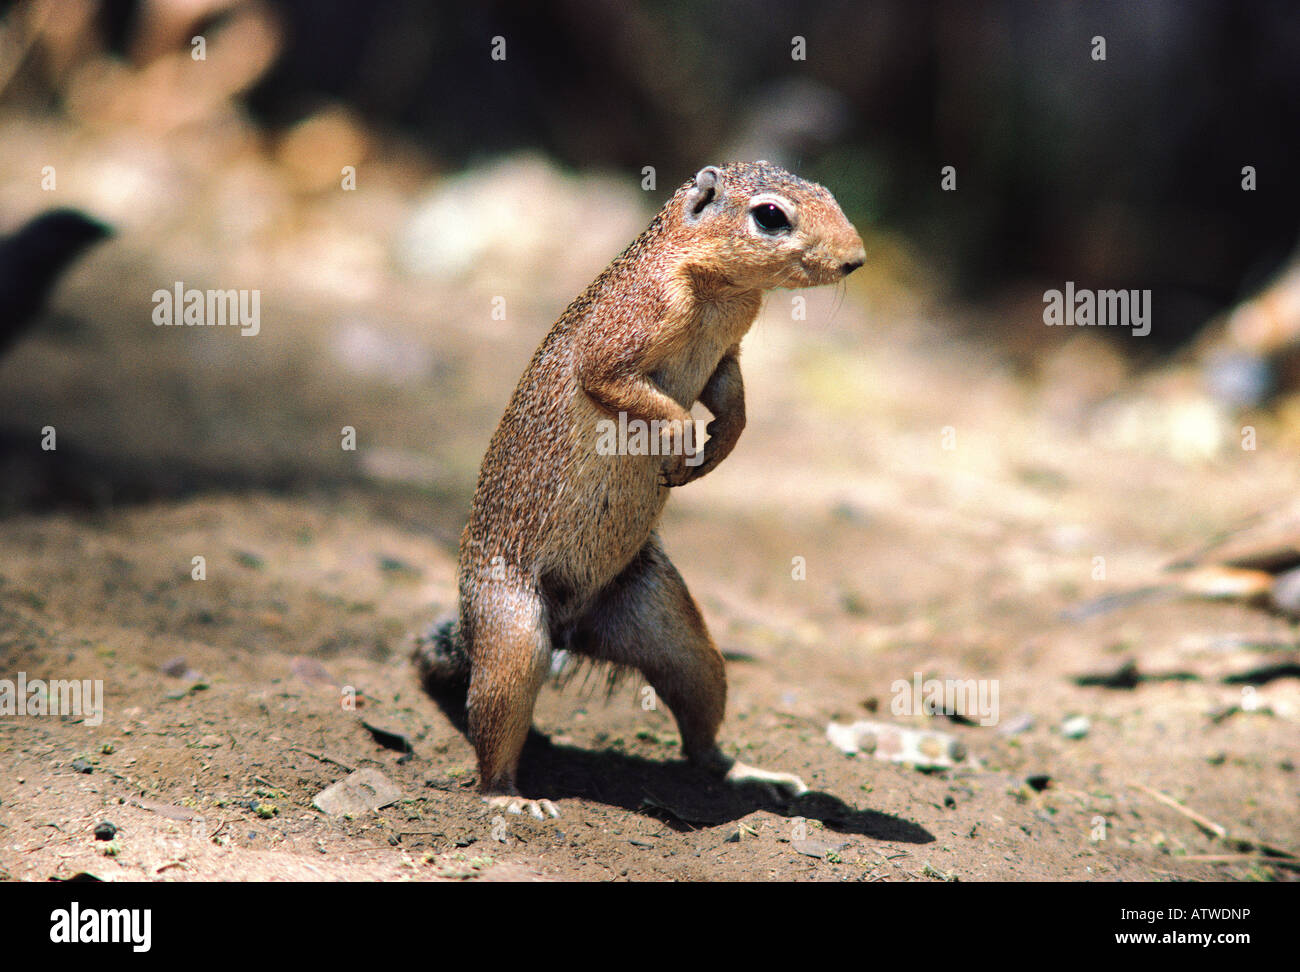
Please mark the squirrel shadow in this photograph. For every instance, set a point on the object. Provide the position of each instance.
(683, 796)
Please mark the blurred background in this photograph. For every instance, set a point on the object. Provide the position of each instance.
(213, 136)
(381, 171)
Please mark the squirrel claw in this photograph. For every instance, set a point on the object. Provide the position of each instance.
(510, 803)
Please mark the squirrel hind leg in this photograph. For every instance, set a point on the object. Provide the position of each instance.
(510, 655)
(646, 619)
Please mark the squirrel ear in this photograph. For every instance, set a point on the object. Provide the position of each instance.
(704, 190)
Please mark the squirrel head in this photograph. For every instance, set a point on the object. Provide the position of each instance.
(754, 226)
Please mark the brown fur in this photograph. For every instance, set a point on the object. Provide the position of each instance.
(560, 550)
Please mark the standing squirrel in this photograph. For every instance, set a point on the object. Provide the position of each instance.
(561, 549)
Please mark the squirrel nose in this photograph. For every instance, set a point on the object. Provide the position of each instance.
(857, 255)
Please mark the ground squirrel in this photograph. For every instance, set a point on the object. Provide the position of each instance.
(561, 549)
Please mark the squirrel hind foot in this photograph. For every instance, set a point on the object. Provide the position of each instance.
(513, 803)
(781, 784)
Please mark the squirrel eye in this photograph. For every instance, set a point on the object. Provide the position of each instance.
(770, 217)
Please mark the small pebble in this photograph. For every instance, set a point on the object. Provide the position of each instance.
(178, 668)
(1076, 727)
(818, 848)
(105, 830)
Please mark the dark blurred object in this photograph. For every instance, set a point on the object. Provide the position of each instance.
(1252, 353)
(31, 261)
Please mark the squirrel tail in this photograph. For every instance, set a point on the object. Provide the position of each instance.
(442, 659)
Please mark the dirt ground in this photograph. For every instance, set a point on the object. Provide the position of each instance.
(948, 503)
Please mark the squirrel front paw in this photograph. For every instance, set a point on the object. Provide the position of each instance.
(681, 453)
(674, 471)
